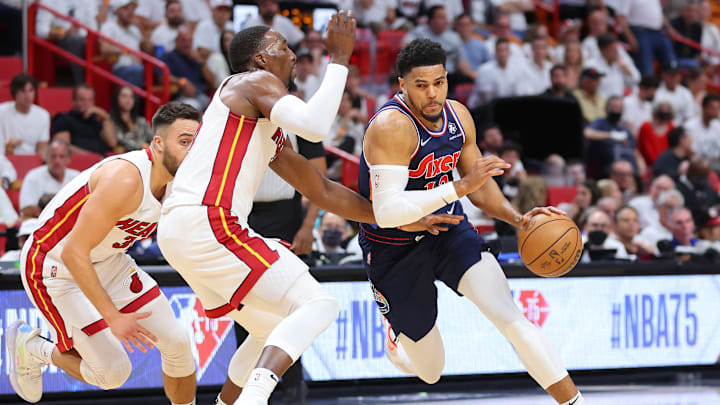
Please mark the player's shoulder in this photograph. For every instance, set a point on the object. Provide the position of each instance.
(390, 119)
(119, 172)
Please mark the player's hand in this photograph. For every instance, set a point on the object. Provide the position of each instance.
(481, 172)
(433, 223)
(303, 241)
(126, 328)
(539, 211)
(339, 38)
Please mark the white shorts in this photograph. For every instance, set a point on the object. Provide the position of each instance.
(55, 293)
(223, 260)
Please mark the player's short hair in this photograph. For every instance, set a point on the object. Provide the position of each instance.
(420, 52)
(172, 112)
(244, 46)
(20, 81)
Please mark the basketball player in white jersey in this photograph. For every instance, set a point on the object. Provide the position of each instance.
(93, 296)
(203, 231)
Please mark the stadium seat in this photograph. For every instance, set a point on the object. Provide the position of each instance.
(394, 38)
(361, 59)
(82, 161)
(14, 196)
(11, 66)
(463, 91)
(55, 99)
(5, 93)
(24, 163)
(350, 174)
(557, 195)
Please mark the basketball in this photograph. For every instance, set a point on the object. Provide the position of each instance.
(551, 245)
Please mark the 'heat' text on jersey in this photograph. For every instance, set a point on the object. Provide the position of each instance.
(137, 230)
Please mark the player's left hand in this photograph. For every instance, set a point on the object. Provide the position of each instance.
(539, 211)
(432, 223)
(303, 241)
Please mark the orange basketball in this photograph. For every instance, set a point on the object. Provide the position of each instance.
(551, 246)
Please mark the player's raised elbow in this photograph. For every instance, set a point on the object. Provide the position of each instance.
(313, 134)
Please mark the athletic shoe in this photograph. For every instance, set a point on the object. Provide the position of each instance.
(25, 369)
(394, 351)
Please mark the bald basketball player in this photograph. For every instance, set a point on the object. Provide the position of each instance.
(93, 296)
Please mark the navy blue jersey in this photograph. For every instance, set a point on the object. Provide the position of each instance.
(432, 164)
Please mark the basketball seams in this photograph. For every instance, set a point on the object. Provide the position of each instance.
(551, 246)
(569, 265)
(522, 246)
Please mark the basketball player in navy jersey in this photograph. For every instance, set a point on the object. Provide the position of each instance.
(411, 147)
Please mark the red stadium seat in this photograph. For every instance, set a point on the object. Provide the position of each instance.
(557, 195)
(24, 163)
(350, 174)
(55, 99)
(394, 38)
(14, 196)
(5, 93)
(11, 67)
(361, 59)
(82, 161)
(463, 91)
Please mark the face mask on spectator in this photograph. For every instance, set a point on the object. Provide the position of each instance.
(614, 117)
(332, 237)
(597, 237)
(663, 115)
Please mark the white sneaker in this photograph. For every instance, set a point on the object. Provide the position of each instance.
(25, 369)
(394, 351)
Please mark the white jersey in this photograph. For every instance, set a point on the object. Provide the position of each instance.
(60, 215)
(227, 161)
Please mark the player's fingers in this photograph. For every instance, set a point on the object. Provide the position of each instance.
(138, 345)
(127, 346)
(557, 211)
(440, 228)
(141, 315)
(353, 21)
(145, 340)
(445, 219)
(541, 210)
(147, 333)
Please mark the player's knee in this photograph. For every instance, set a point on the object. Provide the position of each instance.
(114, 374)
(328, 308)
(177, 358)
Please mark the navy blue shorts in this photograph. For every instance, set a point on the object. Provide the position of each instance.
(403, 273)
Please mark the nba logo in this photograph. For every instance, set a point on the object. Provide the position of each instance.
(53, 271)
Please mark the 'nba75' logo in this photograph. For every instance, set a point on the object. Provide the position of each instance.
(206, 334)
(533, 305)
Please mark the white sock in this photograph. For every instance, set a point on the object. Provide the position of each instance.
(189, 403)
(576, 400)
(219, 401)
(41, 348)
(258, 388)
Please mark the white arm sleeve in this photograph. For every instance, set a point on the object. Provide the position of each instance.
(394, 206)
(312, 120)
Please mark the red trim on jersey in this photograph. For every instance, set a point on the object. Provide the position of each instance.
(387, 243)
(252, 251)
(133, 306)
(149, 154)
(384, 237)
(230, 155)
(44, 239)
(220, 311)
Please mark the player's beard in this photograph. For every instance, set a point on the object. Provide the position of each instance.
(170, 162)
(430, 118)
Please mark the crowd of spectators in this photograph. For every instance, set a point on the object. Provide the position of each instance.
(644, 183)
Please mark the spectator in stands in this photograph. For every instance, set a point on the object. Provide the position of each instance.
(700, 197)
(586, 197)
(360, 98)
(346, 132)
(332, 231)
(705, 130)
(474, 49)
(638, 105)
(46, 179)
(598, 25)
(490, 140)
(501, 30)
(393, 89)
(8, 175)
(8, 216)
(149, 14)
(688, 25)
(617, 74)
(575, 172)
(531, 193)
(642, 21)
(133, 131)
(682, 227)
(622, 172)
(558, 84)
(186, 63)
(27, 227)
(120, 28)
(438, 30)
(678, 95)
(592, 103)
(537, 78)
(86, 127)
(64, 34)
(667, 201)
(377, 15)
(498, 78)
(709, 234)
(573, 60)
(627, 228)
(306, 80)
(24, 126)
(710, 35)
(164, 34)
(196, 11)
(610, 188)
(206, 39)
(313, 43)
(511, 152)
(608, 205)
(646, 204)
(679, 150)
(553, 171)
(697, 84)
(609, 140)
(218, 63)
(454, 7)
(269, 15)
(539, 31)
(516, 10)
(596, 231)
(653, 134)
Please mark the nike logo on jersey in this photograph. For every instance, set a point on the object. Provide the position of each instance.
(422, 143)
(419, 238)
(452, 208)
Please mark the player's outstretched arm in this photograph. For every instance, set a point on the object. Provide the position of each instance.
(116, 190)
(390, 141)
